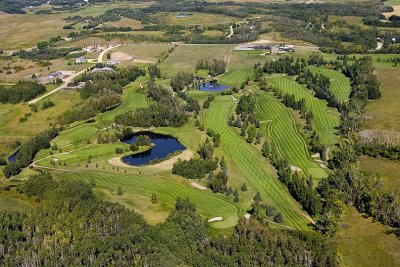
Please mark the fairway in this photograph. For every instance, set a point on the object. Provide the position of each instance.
(245, 164)
(279, 125)
(340, 84)
(325, 119)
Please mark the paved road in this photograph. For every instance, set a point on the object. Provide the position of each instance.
(71, 78)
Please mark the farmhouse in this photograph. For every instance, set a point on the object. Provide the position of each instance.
(53, 75)
(80, 60)
(105, 69)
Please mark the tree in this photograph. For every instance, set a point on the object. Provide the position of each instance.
(257, 198)
(206, 150)
(108, 55)
(154, 199)
(251, 134)
(278, 218)
(244, 187)
(119, 191)
(236, 196)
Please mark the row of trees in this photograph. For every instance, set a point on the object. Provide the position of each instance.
(214, 67)
(22, 91)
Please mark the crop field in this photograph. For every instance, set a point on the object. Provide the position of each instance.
(184, 58)
(366, 243)
(383, 113)
(325, 119)
(281, 128)
(340, 84)
(246, 164)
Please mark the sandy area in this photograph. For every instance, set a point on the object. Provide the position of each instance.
(295, 169)
(395, 12)
(121, 56)
(323, 166)
(247, 216)
(168, 164)
(316, 155)
(165, 165)
(198, 186)
(215, 219)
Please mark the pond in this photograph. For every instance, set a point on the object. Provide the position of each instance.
(212, 86)
(13, 157)
(163, 146)
(183, 15)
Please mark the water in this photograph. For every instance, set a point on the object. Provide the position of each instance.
(183, 15)
(13, 157)
(211, 86)
(163, 145)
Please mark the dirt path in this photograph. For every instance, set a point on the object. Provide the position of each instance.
(231, 29)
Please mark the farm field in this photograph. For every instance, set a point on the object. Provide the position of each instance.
(280, 127)
(171, 18)
(325, 119)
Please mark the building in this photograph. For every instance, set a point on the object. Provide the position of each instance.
(97, 70)
(80, 60)
(54, 75)
(287, 48)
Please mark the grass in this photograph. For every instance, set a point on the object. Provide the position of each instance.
(246, 164)
(208, 204)
(11, 200)
(236, 77)
(196, 19)
(147, 52)
(340, 84)
(325, 119)
(363, 242)
(287, 139)
(184, 58)
(246, 59)
(383, 113)
(387, 169)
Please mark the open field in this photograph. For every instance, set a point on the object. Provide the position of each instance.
(171, 18)
(184, 58)
(145, 52)
(365, 243)
(386, 168)
(245, 59)
(340, 84)
(383, 113)
(325, 119)
(279, 125)
(246, 164)
(123, 22)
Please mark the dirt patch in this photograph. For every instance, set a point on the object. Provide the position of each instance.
(396, 11)
(215, 219)
(295, 169)
(118, 162)
(168, 164)
(121, 56)
(198, 186)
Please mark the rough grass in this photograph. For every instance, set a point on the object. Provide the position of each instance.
(196, 19)
(184, 58)
(366, 243)
(386, 168)
(283, 132)
(325, 119)
(383, 113)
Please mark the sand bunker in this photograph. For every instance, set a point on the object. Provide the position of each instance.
(215, 219)
(198, 186)
(295, 169)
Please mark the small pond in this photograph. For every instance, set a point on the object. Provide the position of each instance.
(163, 146)
(212, 86)
(183, 15)
(13, 157)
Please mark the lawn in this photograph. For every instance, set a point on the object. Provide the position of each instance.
(325, 119)
(279, 125)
